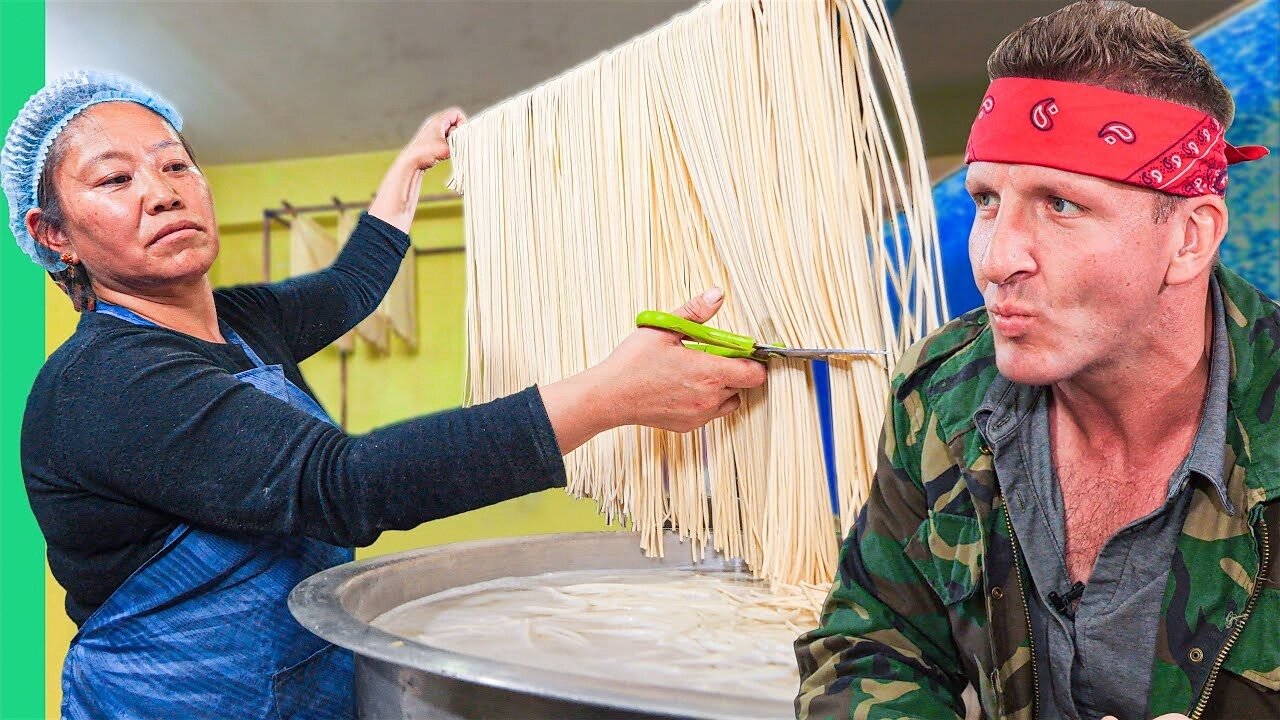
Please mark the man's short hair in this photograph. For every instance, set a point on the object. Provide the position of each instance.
(1115, 45)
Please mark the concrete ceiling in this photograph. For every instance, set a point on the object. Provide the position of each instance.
(269, 80)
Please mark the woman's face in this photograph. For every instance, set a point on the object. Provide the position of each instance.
(136, 211)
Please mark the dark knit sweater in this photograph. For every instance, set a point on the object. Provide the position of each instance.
(130, 431)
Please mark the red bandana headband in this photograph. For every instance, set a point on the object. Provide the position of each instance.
(1094, 131)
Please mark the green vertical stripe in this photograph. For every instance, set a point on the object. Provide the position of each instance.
(21, 354)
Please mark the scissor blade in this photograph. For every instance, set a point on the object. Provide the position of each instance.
(817, 353)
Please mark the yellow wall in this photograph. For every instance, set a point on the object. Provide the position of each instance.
(381, 389)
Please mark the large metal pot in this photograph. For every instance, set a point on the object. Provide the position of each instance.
(400, 678)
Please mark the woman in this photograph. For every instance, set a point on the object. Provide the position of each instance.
(182, 472)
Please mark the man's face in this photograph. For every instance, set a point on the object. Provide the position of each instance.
(1070, 267)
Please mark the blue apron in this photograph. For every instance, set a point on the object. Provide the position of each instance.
(202, 628)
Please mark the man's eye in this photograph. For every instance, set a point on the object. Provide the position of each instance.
(984, 199)
(1062, 206)
(177, 167)
(116, 180)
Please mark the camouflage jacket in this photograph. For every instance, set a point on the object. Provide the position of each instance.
(930, 595)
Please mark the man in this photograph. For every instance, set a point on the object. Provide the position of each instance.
(1077, 507)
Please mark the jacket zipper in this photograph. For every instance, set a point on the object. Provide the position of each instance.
(1240, 623)
(1022, 593)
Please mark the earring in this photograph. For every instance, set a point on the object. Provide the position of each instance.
(69, 259)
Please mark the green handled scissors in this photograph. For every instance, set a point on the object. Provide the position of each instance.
(726, 344)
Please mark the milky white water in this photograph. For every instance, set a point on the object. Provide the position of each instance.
(717, 632)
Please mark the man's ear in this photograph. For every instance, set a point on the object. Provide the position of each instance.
(1198, 227)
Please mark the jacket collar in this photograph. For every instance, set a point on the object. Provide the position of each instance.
(965, 372)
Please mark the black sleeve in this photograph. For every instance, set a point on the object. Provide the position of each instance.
(162, 426)
(311, 311)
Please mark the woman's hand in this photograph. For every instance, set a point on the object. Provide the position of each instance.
(431, 144)
(397, 198)
(651, 379)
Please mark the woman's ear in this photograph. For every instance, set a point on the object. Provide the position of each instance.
(47, 236)
(1198, 227)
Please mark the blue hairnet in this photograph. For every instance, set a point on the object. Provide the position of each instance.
(42, 119)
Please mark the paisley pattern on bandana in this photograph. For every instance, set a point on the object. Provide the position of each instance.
(1094, 131)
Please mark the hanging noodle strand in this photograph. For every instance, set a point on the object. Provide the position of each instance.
(765, 146)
